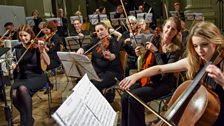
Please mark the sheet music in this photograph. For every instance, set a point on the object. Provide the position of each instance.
(30, 21)
(146, 16)
(86, 106)
(72, 18)
(73, 43)
(58, 20)
(77, 65)
(95, 18)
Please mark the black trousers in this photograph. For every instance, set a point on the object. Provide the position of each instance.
(108, 80)
(133, 113)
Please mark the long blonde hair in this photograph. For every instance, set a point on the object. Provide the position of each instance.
(208, 31)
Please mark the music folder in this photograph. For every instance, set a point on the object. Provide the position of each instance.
(86, 106)
(77, 65)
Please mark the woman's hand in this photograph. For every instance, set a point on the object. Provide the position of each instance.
(127, 82)
(215, 73)
(127, 40)
(151, 47)
(41, 46)
(80, 51)
(13, 66)
(108, 55)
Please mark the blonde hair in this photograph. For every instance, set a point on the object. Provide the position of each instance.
(107, 22)
(205, 30)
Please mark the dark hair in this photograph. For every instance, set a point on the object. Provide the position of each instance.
(51, 25)
(101, 9)
(8, 23)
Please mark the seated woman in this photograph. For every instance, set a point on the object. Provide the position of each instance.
(53, 43)
(203, 42)
(28, 76)
(105, 60)
(165, 49)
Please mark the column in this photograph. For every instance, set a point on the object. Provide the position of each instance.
(201, 6)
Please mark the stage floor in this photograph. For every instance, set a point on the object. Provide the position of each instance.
(40, 103)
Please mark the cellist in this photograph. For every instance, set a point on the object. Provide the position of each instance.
(203, 41)
(167, 49)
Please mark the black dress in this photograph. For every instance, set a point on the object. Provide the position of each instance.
(29, 72)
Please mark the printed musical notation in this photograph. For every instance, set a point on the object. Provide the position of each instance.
(84, 107)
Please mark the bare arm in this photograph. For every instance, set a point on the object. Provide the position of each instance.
(178, 66)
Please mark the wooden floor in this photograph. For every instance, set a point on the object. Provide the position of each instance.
(60, 92)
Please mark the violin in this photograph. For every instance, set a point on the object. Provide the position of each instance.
(105, 42)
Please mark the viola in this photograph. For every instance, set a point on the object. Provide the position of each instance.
(105, 42)
(148, 59)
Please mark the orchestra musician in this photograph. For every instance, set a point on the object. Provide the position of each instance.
(204, 39)
(165, 49)
(125, 44)
(53, 42)
(28, 75)
(105, 58)
(12, 33)
(78, 31)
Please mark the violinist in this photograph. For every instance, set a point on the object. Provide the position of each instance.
(78, 31)
(53, 42)
(125, 44)
(28, 75)
(165, 49)
(105, 58)
(12, 33)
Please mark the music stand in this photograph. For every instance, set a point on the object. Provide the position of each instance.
(173, 13)
(134, 12)
(72, 18)
(77, 65)
(194, 16)
(146, 16)
(140, 40)
(57, 20)
(8, 114)
(30, 21)
(73, 43)
(95, 18)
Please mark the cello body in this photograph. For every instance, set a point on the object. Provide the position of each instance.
(201, 109)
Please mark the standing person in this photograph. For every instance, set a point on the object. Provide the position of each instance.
(37, 19)
(179, 13)
(28, 75)
(165, 49)
(63, 27)
(203, 41)
(106, 63)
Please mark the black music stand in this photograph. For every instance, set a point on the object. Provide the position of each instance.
(8, 114)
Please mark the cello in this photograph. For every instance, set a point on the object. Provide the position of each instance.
(193, 103)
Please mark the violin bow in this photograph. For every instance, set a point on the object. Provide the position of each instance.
(4, 35)
(166, 10)
(100, 41)
(32, 41)
(125, 13)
